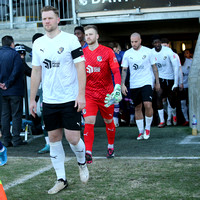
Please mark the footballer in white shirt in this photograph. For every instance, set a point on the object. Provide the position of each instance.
(168, 68)
(140, 61)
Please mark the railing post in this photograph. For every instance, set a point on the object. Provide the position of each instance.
(46, 2)
(74, 11)
(11, 13)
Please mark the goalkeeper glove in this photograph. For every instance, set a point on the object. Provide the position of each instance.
(114, 97)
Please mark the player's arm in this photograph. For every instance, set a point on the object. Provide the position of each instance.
(155, 72)
(175, 66)
(123, 78)
(80, 100)
(35, 82)
(180, 76)
(115, 96)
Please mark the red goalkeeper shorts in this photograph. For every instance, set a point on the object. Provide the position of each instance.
(93, 106)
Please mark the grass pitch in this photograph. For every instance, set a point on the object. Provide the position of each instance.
(112, 179)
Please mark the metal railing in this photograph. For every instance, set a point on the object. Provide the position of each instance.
(18, 12)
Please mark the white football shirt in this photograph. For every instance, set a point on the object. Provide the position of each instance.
(140, 64)
(59, 75)
(165, 59)
(186, 69)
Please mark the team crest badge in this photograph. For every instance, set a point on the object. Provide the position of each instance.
(144, 56)
(115, 59)
(60, 50)
(99, 58)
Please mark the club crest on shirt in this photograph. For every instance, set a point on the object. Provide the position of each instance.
(60, 50)
(115, 59)
(99, 58)
(144, 56)
(165, 57)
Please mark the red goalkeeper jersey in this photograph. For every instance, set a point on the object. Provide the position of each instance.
(99, 64)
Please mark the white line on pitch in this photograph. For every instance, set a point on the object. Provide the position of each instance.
(27, 177)
(189, 138)
(153, 158)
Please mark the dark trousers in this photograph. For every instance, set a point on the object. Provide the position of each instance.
(12, 108)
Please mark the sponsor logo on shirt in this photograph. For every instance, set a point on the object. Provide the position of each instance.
(90, 69)
(60, 50)
(99, 58)
(136, 67)
(49, 64)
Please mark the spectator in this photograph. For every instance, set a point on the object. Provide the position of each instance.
(12, 86)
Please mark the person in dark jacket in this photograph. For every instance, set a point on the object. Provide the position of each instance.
(12, 88)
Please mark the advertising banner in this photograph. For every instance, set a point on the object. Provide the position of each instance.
(110, 5)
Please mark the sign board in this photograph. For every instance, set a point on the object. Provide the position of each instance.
(110, 5)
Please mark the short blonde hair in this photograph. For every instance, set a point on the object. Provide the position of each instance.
(50, 8)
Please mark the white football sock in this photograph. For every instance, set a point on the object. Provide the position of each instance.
(57, 155)
(169, 112)
(47, 140)
(174, 112)
(161, 115)
(79, 151)
(148, 121)
(140, 125)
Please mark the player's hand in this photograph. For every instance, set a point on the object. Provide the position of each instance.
(181, 87)
(33, 108)
(80, 103)
(157, 87)
(114, 97)
(124, 90)
(174, 87)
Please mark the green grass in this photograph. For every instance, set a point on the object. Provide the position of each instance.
(109, 179)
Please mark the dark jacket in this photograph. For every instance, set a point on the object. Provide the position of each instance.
(11, 72)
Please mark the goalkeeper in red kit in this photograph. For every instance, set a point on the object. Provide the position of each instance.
(100, 93)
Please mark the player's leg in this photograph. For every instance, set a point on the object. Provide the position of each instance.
(184, 105)
(107, 114)
(71, 121)
(169, 113)
(159, 97)
(139, 118)
(78, 147)
(172, 97)
(116, 115)
(52, 121)
(147, 95)
(89, 114)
